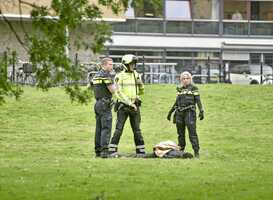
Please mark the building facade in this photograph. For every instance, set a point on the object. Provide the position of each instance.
(20, 20)
(194, 34)
(197, 33)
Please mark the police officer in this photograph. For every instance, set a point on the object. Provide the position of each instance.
(129, 87)
(185, 115)
(104, 87)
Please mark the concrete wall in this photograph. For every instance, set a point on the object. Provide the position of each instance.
(83, 54)
(12, 7)
(9, 41)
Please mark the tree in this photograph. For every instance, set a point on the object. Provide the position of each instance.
(6, 87)
(47, 43)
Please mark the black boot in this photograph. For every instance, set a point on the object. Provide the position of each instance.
(104, 153)
(97, 154)
(196, 154)
(140, 152)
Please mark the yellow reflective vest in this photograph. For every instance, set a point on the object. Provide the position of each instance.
(129, 86)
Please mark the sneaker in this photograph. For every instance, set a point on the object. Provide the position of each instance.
(113, 155)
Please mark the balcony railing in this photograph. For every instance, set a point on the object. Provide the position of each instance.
(205, 27)
(180, 27)
(128, 26)
(195, 27)
(150, 26)
(261, 28)
(235, 27)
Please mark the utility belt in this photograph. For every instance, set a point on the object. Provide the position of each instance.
(106, 101)
(183, 108)
(120, 105)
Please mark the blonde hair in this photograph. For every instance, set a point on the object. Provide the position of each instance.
(186, 73)
(104, 61)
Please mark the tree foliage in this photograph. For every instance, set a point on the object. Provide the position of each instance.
(48, 41)
(6, 87)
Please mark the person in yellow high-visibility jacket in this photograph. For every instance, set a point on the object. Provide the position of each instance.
(129, 87)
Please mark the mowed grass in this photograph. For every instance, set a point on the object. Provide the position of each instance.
(46, 149)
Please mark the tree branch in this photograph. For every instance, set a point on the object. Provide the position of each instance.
(21, 19)
(29, 4)
(14, 31)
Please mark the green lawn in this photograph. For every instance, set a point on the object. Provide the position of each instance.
(46, 149)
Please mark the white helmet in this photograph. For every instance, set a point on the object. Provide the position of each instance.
(128, 59)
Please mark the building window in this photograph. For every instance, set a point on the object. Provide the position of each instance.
(179, 54)
(208, 10)
(182, 64)
(239, 67)
(151, 60)
(130, 13)
(178, 9)
(235, 10)
(205, 9)
(268, 59)
(255, 58)
(139, 53)
(149, 53)
(121, 52)
(148, 9)
(244, 10)
(262, 10)
(206, 55)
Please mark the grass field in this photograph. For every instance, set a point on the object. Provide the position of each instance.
(46, 149)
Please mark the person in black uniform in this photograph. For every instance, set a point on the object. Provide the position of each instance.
(103, 86)
(185, 112)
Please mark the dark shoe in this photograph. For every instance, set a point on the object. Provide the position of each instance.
(187, 155)
(104, 154)
(97, 155)
(140, 155)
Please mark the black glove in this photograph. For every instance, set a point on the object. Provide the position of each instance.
(170, 113)
(201, 115)
(138, 102)
(169, 116)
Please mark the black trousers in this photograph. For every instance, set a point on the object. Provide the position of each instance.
(135, 119)
(187, 119)
(103, 126)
